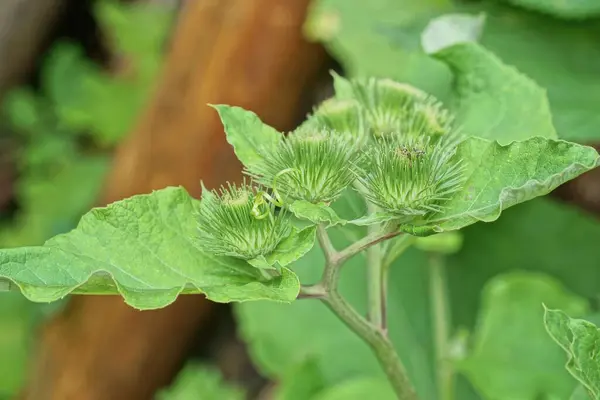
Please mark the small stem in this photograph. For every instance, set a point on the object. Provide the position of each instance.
(325, 243)
(440, 312)
(312, 292)
(376, 284)
(363, 244)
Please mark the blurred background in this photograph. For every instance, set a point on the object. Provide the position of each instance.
(104, 99)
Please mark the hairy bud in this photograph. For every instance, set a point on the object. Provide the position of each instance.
(411, 177)
(312, 165)
(227, 226)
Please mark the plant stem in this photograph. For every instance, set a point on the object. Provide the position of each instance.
(373, 335)
(440, 312)
(379, 343)
(376, 286)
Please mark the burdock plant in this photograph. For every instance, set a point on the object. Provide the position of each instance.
(227, 225)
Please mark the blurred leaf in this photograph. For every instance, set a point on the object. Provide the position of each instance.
(301, 382)
(141, 248)
(18, 317)
(498, 177)
(450, 30)
(442, 243)
(562, 8)
(359, 389)
(512, 357)
(52, 204)
(196, 381)
(580, 393)
(357, 33)
(581, 340)
(21, 107)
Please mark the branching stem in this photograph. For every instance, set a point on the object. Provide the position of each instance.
(372, 332)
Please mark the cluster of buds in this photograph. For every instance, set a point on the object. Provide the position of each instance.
(394, 143)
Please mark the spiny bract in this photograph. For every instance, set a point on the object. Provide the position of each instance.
(312, 165)
(393, 108)
(227, 227)
(411, 177)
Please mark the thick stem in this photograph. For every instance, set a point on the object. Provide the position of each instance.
(382, 347)
(372, 334)
(440, 312)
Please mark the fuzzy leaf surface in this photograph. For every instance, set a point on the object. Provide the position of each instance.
(143, 249)
(512, 357)
(297, 244)
(494, 100)
(581, 340)
(247, 133)
(315, 213)
(498, 177)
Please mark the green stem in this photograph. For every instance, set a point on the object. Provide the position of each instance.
(440, 312)
(374, 335)
(376, 285)
(382, 347)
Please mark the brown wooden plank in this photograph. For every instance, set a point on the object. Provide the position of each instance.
(244, 52)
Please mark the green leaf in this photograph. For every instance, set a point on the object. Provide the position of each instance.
(451, 29)
(142, 248)
(315, 213)
(359, 389)
(580, 393)
(581, 340)
(355, 32)
(301, 382)
(512, 357)
(499, 177)
(493, 100)
(197, 381)
(21, 108)
(296, 245)
(247, 133)
(575, 9)
(442, 243)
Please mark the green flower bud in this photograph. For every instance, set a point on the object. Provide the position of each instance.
(393, 108)
(309, 165)
(227, 226)
(411, 177)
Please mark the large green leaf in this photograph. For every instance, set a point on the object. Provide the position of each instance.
(142, 248)
(247, 133)
(499, 177)
(581, 340)
(301, 382)
(197, 381)
(282, 336)
(562, 8)
(491, 99)
(512, 356)
(381, 38)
